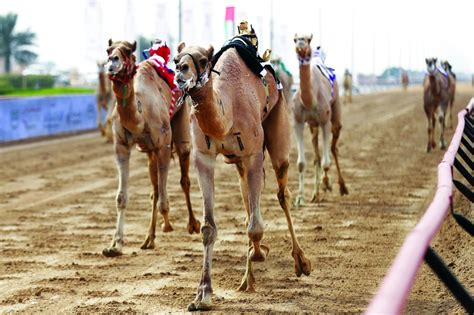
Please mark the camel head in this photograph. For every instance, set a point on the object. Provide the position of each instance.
(193, 65)
(431, 65)
(100, 66)
(121, 60)
(446, 66)
(303, 44)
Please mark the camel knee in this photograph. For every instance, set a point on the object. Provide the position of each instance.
(185, 182)
(209, 234)
(284, 198)
(301, 166)
(255, 229)
(121, 200)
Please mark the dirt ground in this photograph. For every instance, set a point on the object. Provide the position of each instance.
(57, 213)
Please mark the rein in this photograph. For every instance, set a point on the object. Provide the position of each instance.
(306, 60)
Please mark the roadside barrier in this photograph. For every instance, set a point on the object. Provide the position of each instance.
(29, 117)
(393, 292)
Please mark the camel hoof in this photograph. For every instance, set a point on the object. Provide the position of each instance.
(111, 252)
(166, 228)
(302, 264)
(259, 255)
(316, 198)
(326, 184)
(149, 243)
(246, 286)
(194, 227)
(343, 189)
(299, 201)
(199, 306)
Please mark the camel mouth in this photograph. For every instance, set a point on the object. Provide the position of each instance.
(184, 84)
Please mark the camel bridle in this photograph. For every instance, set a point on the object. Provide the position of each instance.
(128, 71)
(203, 77)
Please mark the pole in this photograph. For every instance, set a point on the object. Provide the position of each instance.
(271, 25)
(180, 20)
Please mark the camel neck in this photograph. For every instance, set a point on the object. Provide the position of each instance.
(126, 107)
(209, 111)
(102, 86)
(433, 84)
(305, 85)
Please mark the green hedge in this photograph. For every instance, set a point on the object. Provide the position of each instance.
(12, 82)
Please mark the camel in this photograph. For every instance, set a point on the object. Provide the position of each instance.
(452, 89)
(317, 104)
(435, 99)
(405, 80)
(142, 117)
(105, 100)
(233, 115)
(286, 79)
(347, 83)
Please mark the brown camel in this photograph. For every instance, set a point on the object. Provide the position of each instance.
(231, 116)
(316, 103)
(405, 80)
(347, 87)
(452, 89)
(142, 117)
(435, 99)
(105, 100)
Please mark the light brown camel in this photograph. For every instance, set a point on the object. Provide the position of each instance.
(286, 79)
(451, 89)
(347, 83)
(231, 117)
(435, 100)
(405, 80)
(142, 117)
(317, 104)
(105, 100)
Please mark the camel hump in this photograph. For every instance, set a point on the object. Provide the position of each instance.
(247, 51)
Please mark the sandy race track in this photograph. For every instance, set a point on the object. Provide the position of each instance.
(57, 213)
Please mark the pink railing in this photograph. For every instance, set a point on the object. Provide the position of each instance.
(392, 294)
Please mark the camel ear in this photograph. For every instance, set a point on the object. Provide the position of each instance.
(181, 46)
(310, 38)
(435, 60)
(210, 52)
(110, 42)
(134, 46)
(426, 60)
(294, 38)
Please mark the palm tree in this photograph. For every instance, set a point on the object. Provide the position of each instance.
(14, 44)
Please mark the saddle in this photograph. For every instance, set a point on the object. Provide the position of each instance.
(327, 72)
(249, 54)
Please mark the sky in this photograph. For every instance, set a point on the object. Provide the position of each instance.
(364, 36)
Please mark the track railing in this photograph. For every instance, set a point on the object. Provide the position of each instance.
(393, 292)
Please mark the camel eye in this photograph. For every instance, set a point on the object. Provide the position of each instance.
(184, 68)
(115, 58)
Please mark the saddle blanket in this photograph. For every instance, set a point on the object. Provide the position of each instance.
(166, 74)
(328, 73)
(249, 54)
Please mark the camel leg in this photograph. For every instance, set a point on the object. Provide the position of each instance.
(326, 159)
(164, 157)
(251, 174)
(122, 153)
(317, 164)
(277, 141)
(99, 117)
(336, 131)
(181, 139)
(205, 168)
(442, 124)
(248, 281)
(299, 133)
(149, 242)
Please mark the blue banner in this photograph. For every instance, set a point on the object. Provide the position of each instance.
(28, 117)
